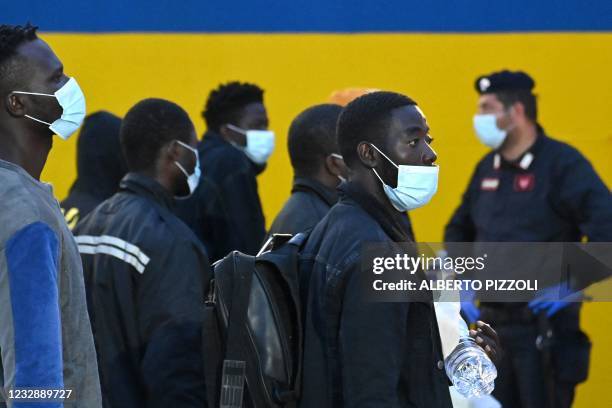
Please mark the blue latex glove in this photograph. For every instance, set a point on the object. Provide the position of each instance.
(468, 307)
(553, 299)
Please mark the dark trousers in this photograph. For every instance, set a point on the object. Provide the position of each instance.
(523, 380)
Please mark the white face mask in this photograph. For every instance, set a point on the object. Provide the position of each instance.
(192, 179)
(416, 185)
(71, 99)
(487, 131)
(259, 143)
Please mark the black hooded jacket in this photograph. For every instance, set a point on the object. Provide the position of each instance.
(100, 166)
(145, 278)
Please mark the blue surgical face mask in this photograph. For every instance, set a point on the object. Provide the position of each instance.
(259, 143)
(193, 179)
(416, 185)
(487, 131)
(70, 97)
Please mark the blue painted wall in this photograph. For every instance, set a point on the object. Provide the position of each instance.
(311, 16)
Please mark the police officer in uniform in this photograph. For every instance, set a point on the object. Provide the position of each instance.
(530, 188)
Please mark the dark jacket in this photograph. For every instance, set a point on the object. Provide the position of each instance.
(205, 214)
(234, 218)
(100, 166)
(309, 203)
(145, 273)
(359, 353)
(550, 194)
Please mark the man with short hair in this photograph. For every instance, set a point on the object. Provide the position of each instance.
(145, 271)
(360, 353)
(530, 188)
(318, 169)
(45, 335)
(226, 211)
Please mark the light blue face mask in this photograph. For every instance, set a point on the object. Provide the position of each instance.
(192, 179)
(259, 143)
(487, 131)
(70, 97)
(416, 185)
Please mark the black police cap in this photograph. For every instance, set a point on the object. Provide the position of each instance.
(504, 81)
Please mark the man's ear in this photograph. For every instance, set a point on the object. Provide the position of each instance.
(14, 105)
(172, 152)
(231, 135)
(519, 110)
(225, 132)
(367, 154)
(331, 166)
(336, 166)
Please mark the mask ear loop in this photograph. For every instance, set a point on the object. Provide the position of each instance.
(375, 172)
(194, 151)
(386, 157)
(186, 146)
(35, 94)
(181, 168)
(339, 157)
(37, 120)
(236, 129)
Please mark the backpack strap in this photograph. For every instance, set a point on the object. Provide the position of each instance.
(234, 364)
(211, 344)
(288, 265)
(299, 239)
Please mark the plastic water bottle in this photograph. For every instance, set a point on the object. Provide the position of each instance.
(470, 369)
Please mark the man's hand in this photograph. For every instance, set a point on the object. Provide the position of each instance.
(487, 338)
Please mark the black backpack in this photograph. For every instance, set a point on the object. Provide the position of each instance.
(252, 333)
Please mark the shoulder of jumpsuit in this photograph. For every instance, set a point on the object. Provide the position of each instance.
(220, 159)
(160, 226)
(338, 239)
(25, 201)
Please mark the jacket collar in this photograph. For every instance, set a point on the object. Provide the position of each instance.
(525, 160)
(212, 139)
(329, 196)
(394, 223)
(145, 186)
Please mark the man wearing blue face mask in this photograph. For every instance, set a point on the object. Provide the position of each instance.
(226, 213)
(145, 271)
(356, 352)
(530, 188)
(46, 340)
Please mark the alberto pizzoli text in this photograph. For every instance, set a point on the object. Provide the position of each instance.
(457, 284)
